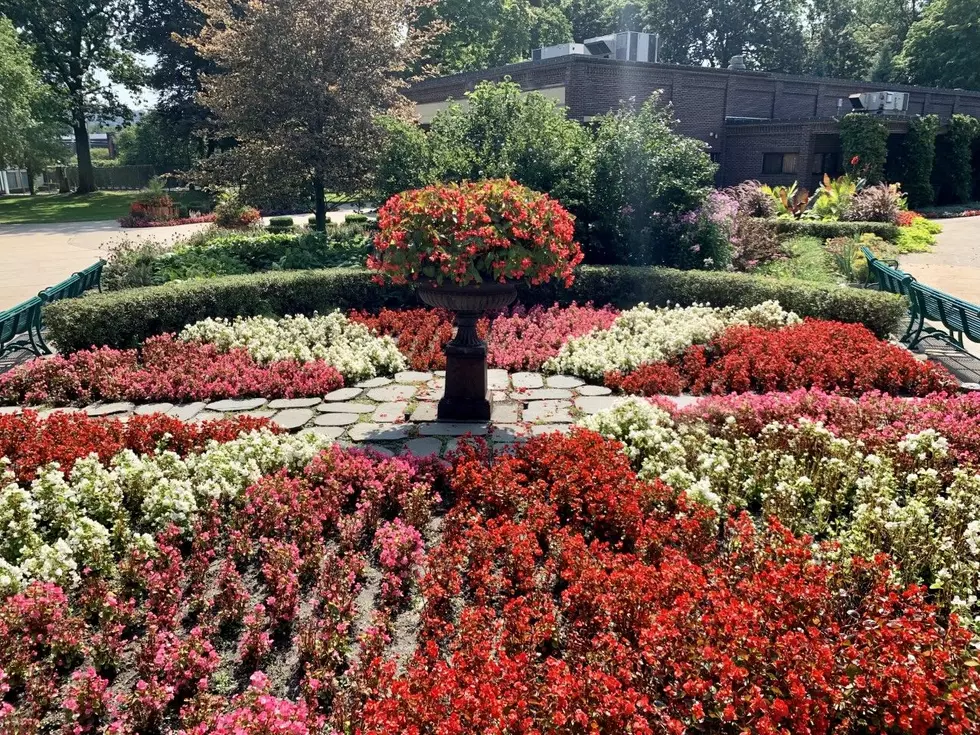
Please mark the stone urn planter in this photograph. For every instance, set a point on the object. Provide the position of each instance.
(467, 397)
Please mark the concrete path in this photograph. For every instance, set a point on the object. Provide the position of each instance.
(954, 265)
(33, 257)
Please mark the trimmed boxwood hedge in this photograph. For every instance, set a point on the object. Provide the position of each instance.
(126, 318)
(827, 230)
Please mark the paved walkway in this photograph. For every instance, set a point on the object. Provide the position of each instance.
(33, 257)
(394, 414)
(954, 265)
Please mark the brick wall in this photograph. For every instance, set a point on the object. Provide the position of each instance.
(702, 100)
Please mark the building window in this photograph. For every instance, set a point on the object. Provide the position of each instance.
(826, 163)
(779, 163)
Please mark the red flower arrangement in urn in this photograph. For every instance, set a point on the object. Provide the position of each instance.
(466, 246)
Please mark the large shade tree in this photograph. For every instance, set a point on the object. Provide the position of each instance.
(299, 86)
(78, 48)
(943, 47)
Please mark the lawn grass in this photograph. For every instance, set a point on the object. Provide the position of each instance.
(101, 205)
(808, 261)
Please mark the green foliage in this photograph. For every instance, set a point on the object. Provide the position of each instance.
(918, 152)
(942, 48)
(790, 201)
(864, 146)
(833, 198)
(825, 230)
(355, 218)
(280, 225)
(918, 237)
(807, 261)
(153, 142)
(953, 180)
(126, 318)
(645, 176)
(406, 160)
(135, 264)
(492, 33)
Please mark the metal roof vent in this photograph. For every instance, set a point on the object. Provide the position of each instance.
(737, 63)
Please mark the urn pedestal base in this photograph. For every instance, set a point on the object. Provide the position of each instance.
(466, 396)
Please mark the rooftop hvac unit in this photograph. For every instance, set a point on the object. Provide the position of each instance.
(629, 46)
(562, 49)
(881, 103)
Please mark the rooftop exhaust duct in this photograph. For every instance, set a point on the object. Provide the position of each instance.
(627, 46)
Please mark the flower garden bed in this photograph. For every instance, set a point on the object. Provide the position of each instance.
(267, 583)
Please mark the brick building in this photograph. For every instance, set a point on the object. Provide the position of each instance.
(778, 128)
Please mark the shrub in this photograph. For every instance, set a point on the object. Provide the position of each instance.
(864, 145)
(406, 160)
(753, 200)
(953, 180)
(834, 198)
(475, 232)
(232, 212)
(126, 318)
(646, 176)
(825, 230)
(880, 203)
(354, 218)
(704, 237)
(918, 236)
(917, 155)
(280, 224)
(755, 242)
(131, 264)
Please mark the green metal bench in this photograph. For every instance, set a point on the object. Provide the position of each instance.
(959, 318)
(20, 329)
(890, 279)
(67, 289)
(91, 277)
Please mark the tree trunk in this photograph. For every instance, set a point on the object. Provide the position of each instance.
(30, 181)
(320, 202)
(86, 173)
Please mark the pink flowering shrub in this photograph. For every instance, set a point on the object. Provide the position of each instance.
(164, 370)
(401, 552)
(87, 703)
(526, 338)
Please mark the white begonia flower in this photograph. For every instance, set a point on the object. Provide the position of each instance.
(352, 348)
(643, 335)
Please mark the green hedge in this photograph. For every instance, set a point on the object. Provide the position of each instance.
(827, 230)
(126, 318)
(865, 138)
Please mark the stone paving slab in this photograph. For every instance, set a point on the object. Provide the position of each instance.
(401, 414)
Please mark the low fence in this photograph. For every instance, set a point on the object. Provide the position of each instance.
(115, 177)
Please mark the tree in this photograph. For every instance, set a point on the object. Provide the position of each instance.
(942, 49)
(77, 48)
(590, 18)
(29, 135)
(478, 35)
(769, 33)
(156, 30)
(300, 86)
(834, 48)
(154, 142)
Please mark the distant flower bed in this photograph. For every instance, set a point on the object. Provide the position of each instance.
(131, 221)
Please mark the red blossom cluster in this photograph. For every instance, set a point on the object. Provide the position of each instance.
(421, 333)
(30, 442)
(831, 356)
(165, 369)
(906, 217)
(493, 230)
(567, 596)
(134, 221)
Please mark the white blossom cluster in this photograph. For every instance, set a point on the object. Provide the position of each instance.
(643, 335)
(352, 348)
(817, 483)
(92, 517)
